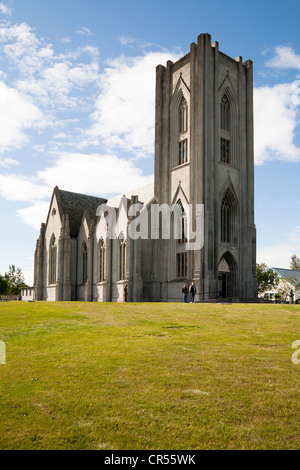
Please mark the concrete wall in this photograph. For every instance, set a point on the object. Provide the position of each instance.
(27, 294)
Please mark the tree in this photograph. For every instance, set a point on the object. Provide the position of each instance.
(284, 289)
(295, 263)
(15, 280)
(3, 285)
(266, 278)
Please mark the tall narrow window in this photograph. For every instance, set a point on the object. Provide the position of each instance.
(180, 234)
(84, 255)
(182, 238)
(52, 260)
(183, 116)
(182, 138)
(225, 219)
(225, 150)
(225, 114)
(181, 265)
(182, 152)
(122, 261)
(225, 131)
(101, 261)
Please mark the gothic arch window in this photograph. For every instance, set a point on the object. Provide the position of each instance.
(183, 116)
(225, 131)
(225, 113)
(181, 254)
(179, 126)
(227, 217)
(101, 261)
(52, 260)
(182, 137)
(182, 237)
(225, 220)
(84, 256)
(122, 259)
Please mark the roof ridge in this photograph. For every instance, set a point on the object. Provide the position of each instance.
(75, 205)
(80, 194)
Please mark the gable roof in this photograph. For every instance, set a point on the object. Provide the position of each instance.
(288, 273)
(75, 204)
(145, 194)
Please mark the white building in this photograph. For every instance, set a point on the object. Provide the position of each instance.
(203, 159)
(289, 282)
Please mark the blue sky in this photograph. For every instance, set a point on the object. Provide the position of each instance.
(65, 65)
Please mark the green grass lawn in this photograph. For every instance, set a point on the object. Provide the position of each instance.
(149, 376)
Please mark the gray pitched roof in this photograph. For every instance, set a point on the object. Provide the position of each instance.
(288, 273)
(75, 205)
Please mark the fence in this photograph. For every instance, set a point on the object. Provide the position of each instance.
(9, 298)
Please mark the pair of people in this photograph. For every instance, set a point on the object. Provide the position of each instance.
(186, 290)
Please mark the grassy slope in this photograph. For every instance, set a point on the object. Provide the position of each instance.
(149, 376)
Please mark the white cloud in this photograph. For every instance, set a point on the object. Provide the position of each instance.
(83, 74)
(294, 237)
(65, 40)
(101, 175)
(285, 58)
(279, 256)
(124, 111)
(91, 50)
(22, 188)
(28, 275)
(5, 10)
(35, 214)
(123, 116)
(56, 86)
(93, 174)
(77, 53)
(23, 47)
(52, 80)
(58, 81)
(84, 31)
(17, 113)
(276, 120)
(126, 40)
(7, 162)
(276, 256)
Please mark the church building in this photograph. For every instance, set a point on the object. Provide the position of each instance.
(88, 249)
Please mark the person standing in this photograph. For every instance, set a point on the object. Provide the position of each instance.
(185, 291)
(125, 293)
(192, 292)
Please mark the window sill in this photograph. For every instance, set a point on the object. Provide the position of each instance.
(228, 165)
(183, 134)
(180, 166)
(229, 246)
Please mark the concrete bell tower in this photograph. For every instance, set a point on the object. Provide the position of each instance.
(204, 155)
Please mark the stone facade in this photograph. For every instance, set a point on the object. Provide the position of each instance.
(203, 158)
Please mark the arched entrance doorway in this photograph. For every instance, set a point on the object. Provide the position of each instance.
(227, 275)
